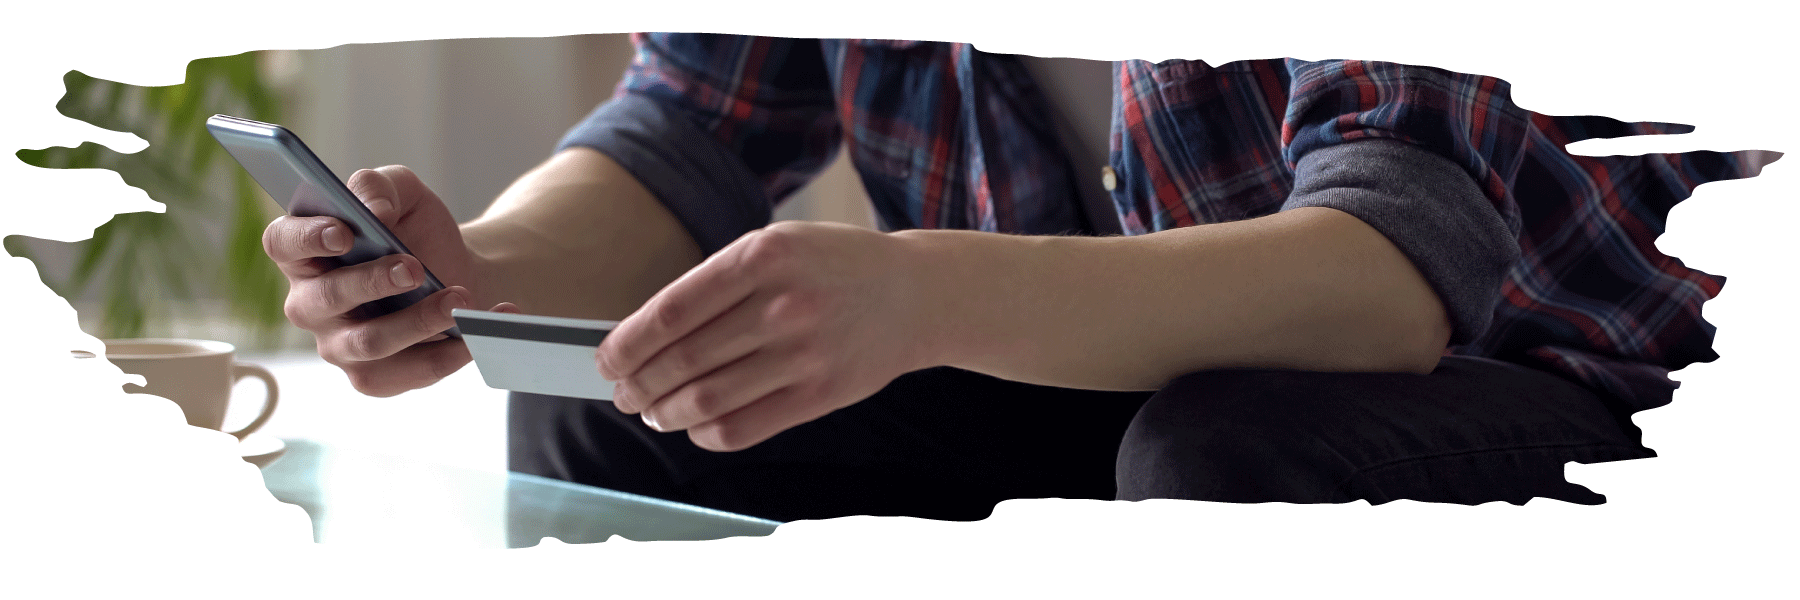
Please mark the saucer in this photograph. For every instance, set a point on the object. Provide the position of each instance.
(260, 450)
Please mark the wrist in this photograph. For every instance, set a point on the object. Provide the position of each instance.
(962, 288)
(929, 319)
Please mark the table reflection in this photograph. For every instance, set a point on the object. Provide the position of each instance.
(366, 498)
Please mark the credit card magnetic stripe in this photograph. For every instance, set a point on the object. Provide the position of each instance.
(537, 332)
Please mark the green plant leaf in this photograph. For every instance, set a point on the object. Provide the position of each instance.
(94, 250)
(256, 285)
(143, 261)
(15, 246)
(44, 158)
(124, 312)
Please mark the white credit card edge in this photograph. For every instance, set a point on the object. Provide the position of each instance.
(538, 367)
(466, 313)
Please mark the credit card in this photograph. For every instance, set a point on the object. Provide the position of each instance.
(539, 355)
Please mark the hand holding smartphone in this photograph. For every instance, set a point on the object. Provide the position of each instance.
(305, 187)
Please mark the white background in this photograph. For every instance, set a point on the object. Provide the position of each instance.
(111, 492)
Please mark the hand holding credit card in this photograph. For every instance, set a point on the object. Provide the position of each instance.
(539, 355)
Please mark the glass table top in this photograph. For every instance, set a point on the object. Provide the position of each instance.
(366, 498)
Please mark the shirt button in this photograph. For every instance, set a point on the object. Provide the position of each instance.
(1108, 179)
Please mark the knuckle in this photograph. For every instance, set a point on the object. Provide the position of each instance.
(667, 315)
(401, 177)
(604, 359)
(704, 401)
(376, 282)
(793, 306)
(322, 296)
(358, 378)
(366, 382)
(285, 239)
(360, 181)
(293, 310)
(683, 359)
(358, 344)
(770, 248)
(424, 319)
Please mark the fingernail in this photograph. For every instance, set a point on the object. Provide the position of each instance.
(651, 421)
(379, 206)
(403, 276)
(336, 238)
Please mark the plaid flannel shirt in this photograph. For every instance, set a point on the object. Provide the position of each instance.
(721, 128)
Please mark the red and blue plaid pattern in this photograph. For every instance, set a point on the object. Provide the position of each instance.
(946, 136)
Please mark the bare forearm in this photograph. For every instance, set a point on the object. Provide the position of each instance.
(1310, 289)
(577, 237)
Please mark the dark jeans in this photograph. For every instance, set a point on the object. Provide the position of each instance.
(950, 444)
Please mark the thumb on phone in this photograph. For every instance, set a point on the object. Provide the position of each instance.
(377, 192)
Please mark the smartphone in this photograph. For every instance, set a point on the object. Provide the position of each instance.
(305, 187)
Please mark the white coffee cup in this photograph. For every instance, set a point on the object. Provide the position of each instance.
(196, 374)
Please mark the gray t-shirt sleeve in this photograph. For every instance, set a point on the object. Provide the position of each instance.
(708, 188)
(1430, 208)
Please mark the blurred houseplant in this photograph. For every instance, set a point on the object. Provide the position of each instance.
(151, 267)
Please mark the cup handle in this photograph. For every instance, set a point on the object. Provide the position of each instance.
(238, 372)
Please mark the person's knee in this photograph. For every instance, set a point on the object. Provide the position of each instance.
(1231, 436)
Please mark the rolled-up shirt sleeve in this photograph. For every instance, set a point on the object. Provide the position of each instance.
(719, 128)
(1423, 156)
(1429, 208)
